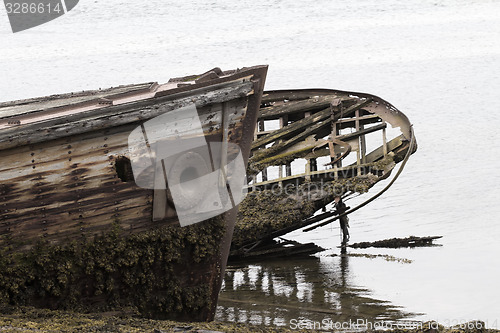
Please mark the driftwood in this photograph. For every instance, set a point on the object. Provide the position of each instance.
(393, 243)
(361, 132)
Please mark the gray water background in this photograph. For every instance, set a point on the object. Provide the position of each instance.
(437, 61)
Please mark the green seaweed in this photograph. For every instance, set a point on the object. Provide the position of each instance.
(267, 211)
(28, 319)
(149, 271)
(263, 212)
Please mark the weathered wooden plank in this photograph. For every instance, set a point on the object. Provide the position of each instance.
(350, 136)
(291, 107)
(260, 155)
(262, 133)
(303, 123)
(291, 129)
(379, 152)
(113, 116)
(303, 94)
(275, 96)
(363, 120)
(64, 149)
(25, 106)
(276, 250)
(308, 148)
(60, 201)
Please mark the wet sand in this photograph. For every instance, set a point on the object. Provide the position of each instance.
(24, 319)
(42, 320)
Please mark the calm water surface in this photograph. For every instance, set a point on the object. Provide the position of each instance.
(437, 61)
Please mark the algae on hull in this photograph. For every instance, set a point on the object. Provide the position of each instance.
(263, 212)
(68, 173)
(319, 126)
(115, 271)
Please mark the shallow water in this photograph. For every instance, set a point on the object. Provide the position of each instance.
(279, 292)
(437, 61)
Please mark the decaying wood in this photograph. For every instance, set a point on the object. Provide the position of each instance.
(112, 116)
(73, 181)
(27, 106)
(309, 127)
(362, 132)
(314, 124)
(274, 249)
(411, 241)
(291, 129)
(66, 180)
(60, 178)
(300, 106)
(341, 144)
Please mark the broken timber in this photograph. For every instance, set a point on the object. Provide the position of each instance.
(411, 241)
(275, 249)
(310, 146)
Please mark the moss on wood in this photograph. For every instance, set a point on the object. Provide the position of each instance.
(264, 212)
(150, 271)
(259, 162)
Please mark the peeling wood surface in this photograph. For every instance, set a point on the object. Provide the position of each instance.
(300, 106)
(26, 106)
(111, 116)
(58, 177)
(69, 189)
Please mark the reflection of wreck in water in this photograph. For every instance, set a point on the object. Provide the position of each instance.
(311, 146)
(276, 292)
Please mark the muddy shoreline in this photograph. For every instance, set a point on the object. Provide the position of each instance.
(28, 319)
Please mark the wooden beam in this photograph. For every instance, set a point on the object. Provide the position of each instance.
(293, 128)
(291, 107)
(384, 140)
(347, 137)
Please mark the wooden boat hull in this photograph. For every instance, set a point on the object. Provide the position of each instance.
(340, 137)
(75, 229)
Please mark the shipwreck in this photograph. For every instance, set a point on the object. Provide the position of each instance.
(76, 230)
(310, 146)
(101, 206)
